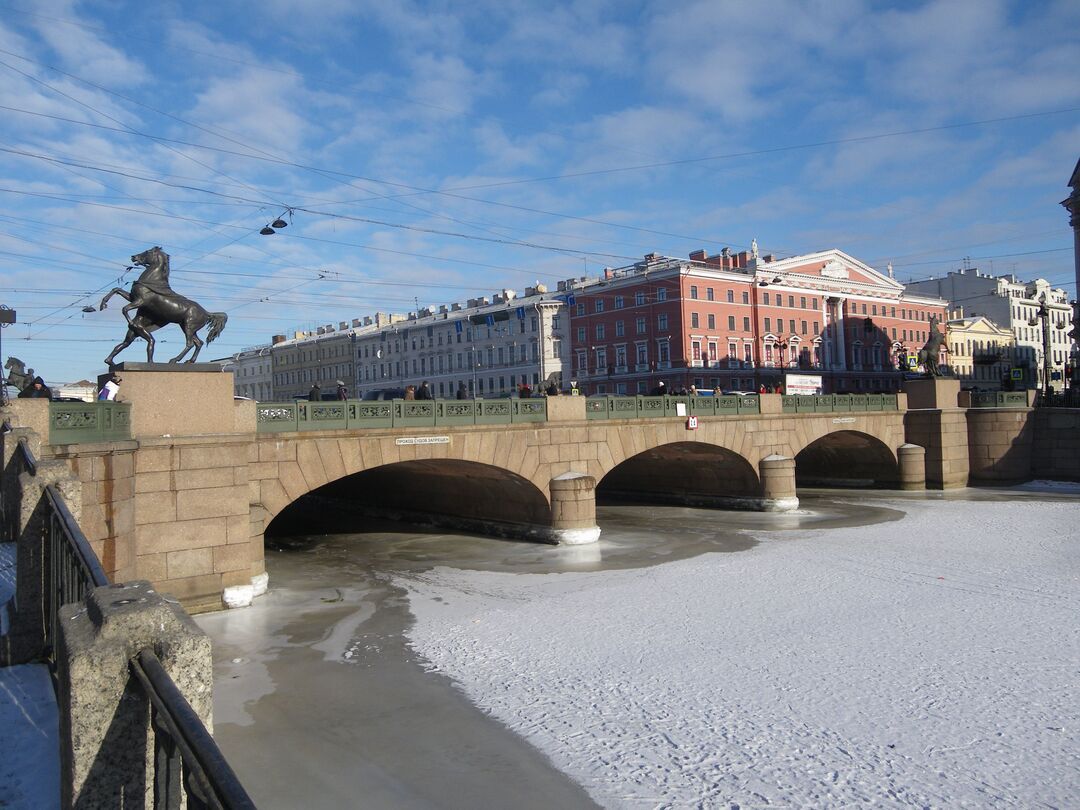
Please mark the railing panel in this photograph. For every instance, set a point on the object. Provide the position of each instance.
(859, 402)
(327, 415)
(624, 407)
(414, 413)
(493, 412)
(703, 406)
(598, 408)
(371, 414)
(671, 405)
(889, 402)
(749, 404)
(77, 422)
(275, 417)
(727, 405)
(456, 411)
(533, 409)
(841, 402)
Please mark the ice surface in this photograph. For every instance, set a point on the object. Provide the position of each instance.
(29, 741)
(931, 661)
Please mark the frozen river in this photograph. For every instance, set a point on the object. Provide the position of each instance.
(902, 651)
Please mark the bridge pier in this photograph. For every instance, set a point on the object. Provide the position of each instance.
(573, 509)
(912, 460)
(778, 484)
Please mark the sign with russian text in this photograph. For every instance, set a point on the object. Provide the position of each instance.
(804, 384)
(405, 440)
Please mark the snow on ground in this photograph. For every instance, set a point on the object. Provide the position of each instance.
(931, 661)
(29, 739)
(7, 582)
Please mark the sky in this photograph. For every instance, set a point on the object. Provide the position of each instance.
(428, 152)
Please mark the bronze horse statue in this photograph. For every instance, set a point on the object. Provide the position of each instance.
(157, 305)
(931, 352)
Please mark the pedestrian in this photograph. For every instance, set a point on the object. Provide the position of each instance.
(109, 389)
(525, 392)
(36, 390)
(342, 391)
(780, 389)
(424, 392)
(410, 392)
(552, 389)
(693, 390)
(660, 389)
(461, 392)
(716, 392)
(761, 388)
(315, 394)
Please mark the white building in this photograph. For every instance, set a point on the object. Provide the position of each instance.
(488, 347)
(1014, 305)
(251, 372)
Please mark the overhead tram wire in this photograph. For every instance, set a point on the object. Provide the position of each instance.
(219, 135)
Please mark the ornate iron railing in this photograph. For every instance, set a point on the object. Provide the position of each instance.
(999, 399)
(1070, 398)
(655, 407)
(276, 417)
(186, 758)
(839, 403)
(77, 422)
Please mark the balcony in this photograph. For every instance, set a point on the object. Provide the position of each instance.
(620, 369)
(640, 367)
(696, 363)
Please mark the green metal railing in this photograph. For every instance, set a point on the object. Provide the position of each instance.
(77, 422)
(300, 415)
(648, 407)
(999, 399)
(839, 403)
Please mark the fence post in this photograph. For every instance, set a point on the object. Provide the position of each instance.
(106, 750)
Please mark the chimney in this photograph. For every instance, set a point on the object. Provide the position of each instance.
(742, 258)
(342, 325)
(699, 256)
(455, 307)
(276, 339)
(561, 286)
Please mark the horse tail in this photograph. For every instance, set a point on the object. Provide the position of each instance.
(217, 323)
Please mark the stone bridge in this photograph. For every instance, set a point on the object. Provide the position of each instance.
(186, 501)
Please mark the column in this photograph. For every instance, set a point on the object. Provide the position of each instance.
(912, 460)
(778, 484)
(573, 509)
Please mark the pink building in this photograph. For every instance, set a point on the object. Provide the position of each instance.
(740, 321)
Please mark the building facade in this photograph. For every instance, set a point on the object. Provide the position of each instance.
(1014, 305)
(742, 321)
(252, 373)
(984, 356)
(488, 347)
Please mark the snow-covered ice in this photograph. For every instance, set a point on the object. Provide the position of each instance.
(931, 661)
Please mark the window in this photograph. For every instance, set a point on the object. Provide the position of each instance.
(816, 329)
(639, 326)
(663, 349)
(581, 334)
(601, 359)
(599, 329)
(731, 296)
(712, 321)
(661, 322)
(813, 303)
(620, 356)
(695, 349)
(618, 302)
(791, 325)
(582, 362)
(661, 293)
(694, 321)
(731, 323)
(746, 297)
(555, 322)
(765, 298)
(780, 325)
(639, 298)
(802, 302)
(620, 328)
(642, 351)
(746, 324)
(791, 301)
(598, 305)
(708, 293)
(803, 325)
(693, 292)
(768, 324)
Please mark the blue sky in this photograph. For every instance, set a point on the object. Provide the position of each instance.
(433, 152)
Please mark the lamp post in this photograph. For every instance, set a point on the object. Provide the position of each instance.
(1043, 315)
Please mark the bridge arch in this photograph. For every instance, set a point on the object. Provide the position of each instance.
(437, 491)
(683, 472)
(847, 457)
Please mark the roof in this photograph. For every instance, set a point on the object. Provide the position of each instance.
(1074, 181)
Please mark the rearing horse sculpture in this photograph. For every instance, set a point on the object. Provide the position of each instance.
(931, 352)
(157, 305)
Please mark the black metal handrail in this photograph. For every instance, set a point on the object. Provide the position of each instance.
(74, 568)
(186, 757)
(28, 457)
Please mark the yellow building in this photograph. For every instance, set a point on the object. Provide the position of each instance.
(982, 355)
